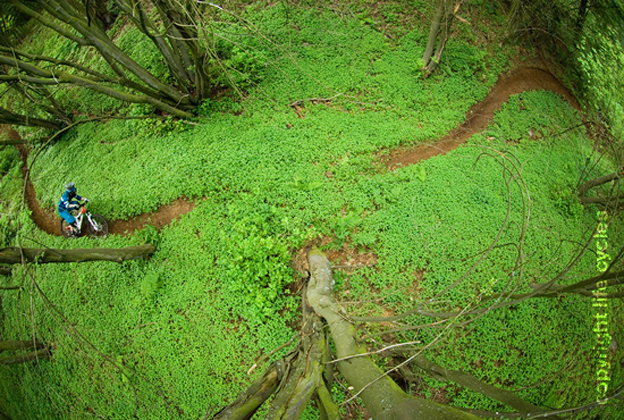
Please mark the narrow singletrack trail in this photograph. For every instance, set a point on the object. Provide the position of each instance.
(48, 220)
(477, 119)
(518, 81)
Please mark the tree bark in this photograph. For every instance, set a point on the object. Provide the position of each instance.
(380, 394)
(11, 118)
(27, 357)
(44, 77)
(434, 30)
(38, 94)
(602, 200)
(439, 33)
(305, 375)
(20, 345)
(171, 54)
(599, 181)
(11, 142)
(95, 36)
(38, 351)
(468, 381)
(15, 255)
(245, 406)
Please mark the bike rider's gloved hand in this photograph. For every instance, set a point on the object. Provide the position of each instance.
(86, 200)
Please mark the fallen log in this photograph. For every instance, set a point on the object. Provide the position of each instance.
(383, 398)
(27, 357)
(17, 255)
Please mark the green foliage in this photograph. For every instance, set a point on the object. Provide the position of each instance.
(532, 116)
(464, 58)
(344, 225)
(7, 22)
(150, 285)
(256, 265)
(565, 199)
(243, 67)
(10, 183)
(177, 333)
(601, 60)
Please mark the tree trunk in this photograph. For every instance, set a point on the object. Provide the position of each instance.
(434, 30)
(168, 50)
(20, 345)
(45, 77)
(105, 46)
(93, 35)
(468, 381)
(439, 34)
(599, 181)
(305, 375)
(27, 357)
(11, 118)
(380, 394)
(38, 94)
(38, 351)
(99, 14)
(245, 406)
(15, 255)
(11, 142)
(613, 201)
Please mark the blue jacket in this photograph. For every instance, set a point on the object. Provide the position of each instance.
(66, 200)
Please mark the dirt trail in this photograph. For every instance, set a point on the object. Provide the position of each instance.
(521, 80)
(48, 220)
(477, 119)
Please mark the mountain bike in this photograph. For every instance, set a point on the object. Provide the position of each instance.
(96, 224)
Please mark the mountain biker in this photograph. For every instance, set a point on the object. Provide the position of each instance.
(67, 203)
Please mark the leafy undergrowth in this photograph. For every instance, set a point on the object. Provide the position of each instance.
(174, 336)
(435, 220)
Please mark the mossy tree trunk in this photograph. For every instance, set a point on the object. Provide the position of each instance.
(35, 350)
(612, 198)
(11, 118)
(175, 37)
(586, 186)
(302, 375)
(380, 394)
(439, 33)
(15, 255)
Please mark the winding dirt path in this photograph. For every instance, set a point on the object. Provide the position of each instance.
(520, 80)
(48, 220)
(477, 119)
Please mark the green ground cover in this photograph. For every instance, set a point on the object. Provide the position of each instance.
(175, 335)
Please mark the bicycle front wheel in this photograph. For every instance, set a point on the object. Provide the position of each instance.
(98, 226)
(65, 229)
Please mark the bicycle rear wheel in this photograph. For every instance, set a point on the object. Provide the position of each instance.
(98, 226)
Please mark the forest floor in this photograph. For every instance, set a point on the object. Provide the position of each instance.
(477, 118)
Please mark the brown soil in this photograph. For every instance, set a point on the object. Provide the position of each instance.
(521, 80)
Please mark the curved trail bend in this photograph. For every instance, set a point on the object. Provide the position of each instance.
(478, 117)
(521, 80)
